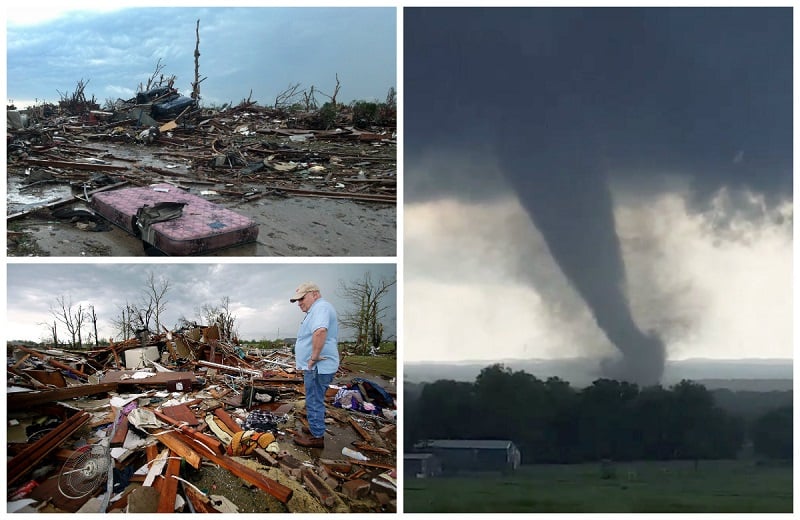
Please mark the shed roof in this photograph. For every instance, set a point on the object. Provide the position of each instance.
(418, 456)
(480, 444)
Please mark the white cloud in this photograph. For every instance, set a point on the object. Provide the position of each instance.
(480, 283)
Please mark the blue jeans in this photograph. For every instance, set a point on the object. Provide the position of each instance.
(316, 384)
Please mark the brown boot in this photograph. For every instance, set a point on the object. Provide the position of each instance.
(309, 441)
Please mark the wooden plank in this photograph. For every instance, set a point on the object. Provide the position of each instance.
(33, 454)
(151, 452)
(181, 413)
(25, 400)
(374, 464)
(77, 165)
(365, 446)
(53, 362)
(361, 431)
(166, 499)
(176, 443)
(201, 503)
(52, 378)
(21, 360)
(207, 440)
(262, 482)
(121, 432)
(158, 379)
(229, 421)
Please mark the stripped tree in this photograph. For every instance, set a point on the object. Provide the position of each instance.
(367, 311)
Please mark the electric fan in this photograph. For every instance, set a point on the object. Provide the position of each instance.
(84, 471)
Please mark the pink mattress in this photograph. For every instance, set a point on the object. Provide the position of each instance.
(201, 227)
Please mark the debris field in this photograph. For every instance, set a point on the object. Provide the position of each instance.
(246, 158)
(186, 421)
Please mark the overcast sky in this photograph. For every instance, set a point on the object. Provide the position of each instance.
(259, 293)
(655, 140)
(51, 47)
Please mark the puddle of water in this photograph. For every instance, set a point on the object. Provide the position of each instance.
(19, 199)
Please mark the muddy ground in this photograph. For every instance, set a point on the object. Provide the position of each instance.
(288, 226)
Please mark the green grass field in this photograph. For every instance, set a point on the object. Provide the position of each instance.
(380, 365)
(638, 487)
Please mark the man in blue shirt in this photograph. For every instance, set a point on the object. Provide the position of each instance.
(317, 355)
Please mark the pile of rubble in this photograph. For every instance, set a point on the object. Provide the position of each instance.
(187, 422)
(239, 153)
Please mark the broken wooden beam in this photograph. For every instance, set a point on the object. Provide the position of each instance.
(214, 444)
(178, 444)
(256, 373)
(33, 454)
(53, 362)
(200, 502)
(361, 431)
(166, 498)
(77, 165)
(262, 482)
(227, 420)
(23, 400)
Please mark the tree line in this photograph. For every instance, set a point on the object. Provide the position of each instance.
(75, 324)
(552, 422)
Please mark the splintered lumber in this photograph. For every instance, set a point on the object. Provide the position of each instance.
(23, 400)
(200, 502)
(53, 362)
(214, 444)
(364, 446)
(33, 454)
(361, 431)
(166, 499)
(255, 373)
(262, 482)
(370, 464)
(22, 360)
(175, 442)
(229, 421)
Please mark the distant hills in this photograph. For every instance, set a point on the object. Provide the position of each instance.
(762, 375)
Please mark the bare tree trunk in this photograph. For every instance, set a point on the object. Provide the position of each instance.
(336, 90)
(196, 84)
(94, 324)
(156, 294)
(365, 296)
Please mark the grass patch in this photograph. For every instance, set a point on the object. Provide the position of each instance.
(639, 487)
(385, 366)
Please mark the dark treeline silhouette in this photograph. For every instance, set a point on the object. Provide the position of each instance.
(552, 422)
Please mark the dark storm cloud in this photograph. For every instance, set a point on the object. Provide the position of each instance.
(707, 92)
(568, 98)
(264, 49)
